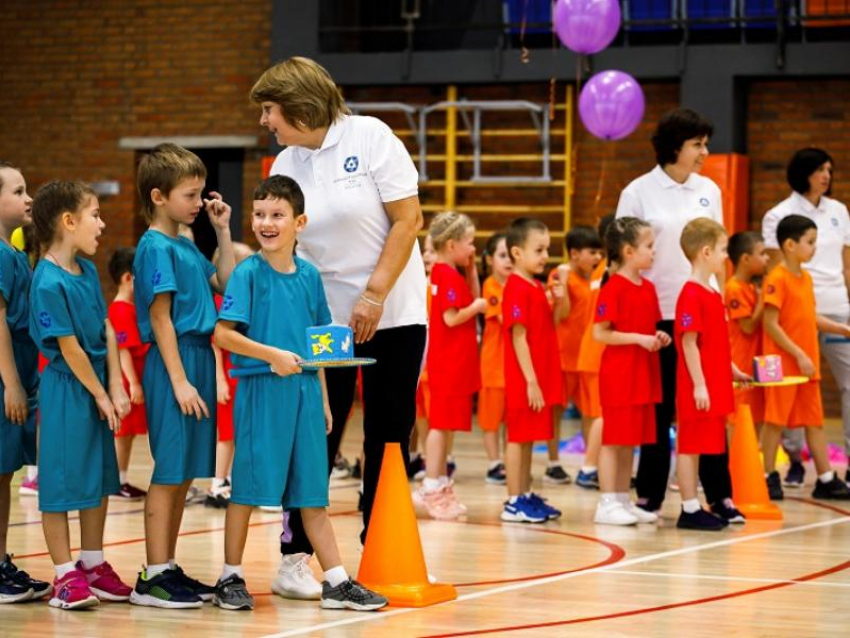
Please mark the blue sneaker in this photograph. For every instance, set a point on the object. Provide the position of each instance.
(551, 512)
(523, 511)
(588, 480)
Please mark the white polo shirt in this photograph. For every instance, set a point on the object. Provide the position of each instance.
(827, 266)
(360, 165)
(668, 206)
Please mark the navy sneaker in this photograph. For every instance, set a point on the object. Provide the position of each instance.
(451, 468)
(357, 471)
(9, 573)
(11, 592)
(700, 521)
(166, 590)
(556, 475)
(727, 511)
(496, 475)
(523, 511)
(795, 476)
(416, 465)
(551, 512)
(835, 490)
(204, 592)
(774, 487)
(588, 480)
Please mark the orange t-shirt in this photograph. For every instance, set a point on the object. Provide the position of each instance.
(794, 296)
(590, 351)
(572, 327)
(493, 340)
(740, 299)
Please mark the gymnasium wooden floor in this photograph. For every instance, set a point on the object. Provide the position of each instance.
(564, 578)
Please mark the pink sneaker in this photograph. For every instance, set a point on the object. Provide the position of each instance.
(454, 505)
(72, 592)
(29, 487)
(435, 504)
(105, 583)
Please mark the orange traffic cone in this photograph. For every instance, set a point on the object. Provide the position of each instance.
(748, 484)
(392, 563)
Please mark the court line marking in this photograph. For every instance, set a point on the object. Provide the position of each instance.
(553, 579)
(743, 579)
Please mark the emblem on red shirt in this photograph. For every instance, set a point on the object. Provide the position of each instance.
(687, 320)
(601, 310)
(516, 312)
(451, 294)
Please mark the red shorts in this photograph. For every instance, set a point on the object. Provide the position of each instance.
(753, 397)
(224, 415)
(628, 425)
(588, 395)
(527, 426)
(794, 406)
(451, 413)
(491, 408)
(423, 399)
(706, 435)
(569, 387)
(134, 424)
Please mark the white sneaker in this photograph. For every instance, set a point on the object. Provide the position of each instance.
(613, 514)
(295, 579)
(642, 515)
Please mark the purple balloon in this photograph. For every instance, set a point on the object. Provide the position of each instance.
(587, 26)
(611, 105)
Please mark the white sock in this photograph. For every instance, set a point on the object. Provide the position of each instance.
(155, 570)
(172, 563)
(336, 576)
(63, 569)
(122, 477)
(218, 483)
(691, 506)
(231, 570)
(588, 469)
(623, 497)
(444, 480)
(91, 559)
(32, 472)
(826, 477)
(512, 499)
(431, 484)
(607, 498)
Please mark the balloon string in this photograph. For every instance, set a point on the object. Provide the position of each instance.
(524, 55)
(609, 148)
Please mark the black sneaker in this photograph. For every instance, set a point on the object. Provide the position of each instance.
(166, 590)
(204, 592)
(557, 475)
(701, 521)
(10, 574)
(847, 476)
(727, 511)
(496, 475)
(129, 492)
(835, 490)
(357, 471)
(231, 593)
(359, 500)
(451, 468)
(795, 475)
(350, 595)
(416, 465)
(216, 501)
(774, 487)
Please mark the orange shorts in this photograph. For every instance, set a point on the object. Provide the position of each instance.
(706, 435)
(753, 397)
(628, 425)
(134, 424)
(423, 399)
(588, 395)
(527, 426)
(451, 413)
(491, 408)
(569, 387)
(794, 406)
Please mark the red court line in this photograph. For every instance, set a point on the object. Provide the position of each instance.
(826, 506)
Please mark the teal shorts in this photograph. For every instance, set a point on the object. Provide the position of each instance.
(281, 454)
(17, 443)
(183, 447)
(76, 462)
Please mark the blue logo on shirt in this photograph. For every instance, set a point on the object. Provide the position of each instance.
(350, 164)
(44, 319)
(835, 222)
(704, 202)
(121, 337)
(157, 277)
(452, 295)
(601, 310)
(687, 320)
(227, 302)
(516, 312)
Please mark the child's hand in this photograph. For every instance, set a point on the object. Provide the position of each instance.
(107, 411)
(120, 401)
(329, 420)
(285, 363)
(472, 265)
(741, 377)
(218, 211)
(807, 368)
(222, 391)
(190, 401)
(15, 400)
(558, 290)
(535, 397)
(701, 397)
(479, 306)
(137, 394)
(650, 342)
(663, 338)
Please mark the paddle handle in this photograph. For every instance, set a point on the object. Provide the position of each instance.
(250, 371)
(836, 339)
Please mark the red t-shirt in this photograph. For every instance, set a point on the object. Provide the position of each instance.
(452, 359)
(702, 311)
(629, 375)
(525, 303)
(122, 316)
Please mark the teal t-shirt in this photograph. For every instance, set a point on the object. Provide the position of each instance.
(15, 279)
(63, 305)
(166, 264)
(274, 308)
